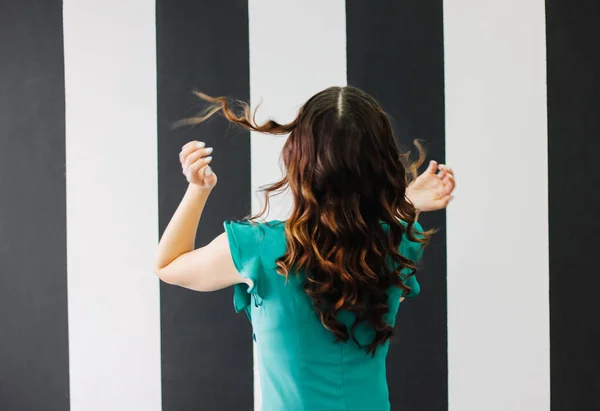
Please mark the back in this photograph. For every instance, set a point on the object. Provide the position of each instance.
(301, 367)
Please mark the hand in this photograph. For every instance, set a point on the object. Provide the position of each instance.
(432, 190)
(195, 165)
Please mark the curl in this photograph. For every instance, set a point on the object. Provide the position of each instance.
(348, 180)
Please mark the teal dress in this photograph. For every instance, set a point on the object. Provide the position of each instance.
(301, 368)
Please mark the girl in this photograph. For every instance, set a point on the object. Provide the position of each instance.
(322, 288)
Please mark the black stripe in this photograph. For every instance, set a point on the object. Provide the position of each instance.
(395, 52)
(34, 359)
(206, 347)
(573, 32)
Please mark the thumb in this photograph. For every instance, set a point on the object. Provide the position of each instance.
(208, 177)
(432, 168)
(445, 201)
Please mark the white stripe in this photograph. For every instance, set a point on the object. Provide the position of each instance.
(112, 216)
(496, 139)
(296, 50)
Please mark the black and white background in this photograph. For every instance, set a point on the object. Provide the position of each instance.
(505, 91)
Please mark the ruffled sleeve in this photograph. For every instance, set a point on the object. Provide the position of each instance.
(414, 252)
(244, 239)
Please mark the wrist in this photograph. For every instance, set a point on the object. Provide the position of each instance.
(410, 197)
(408, 194)
(196, 190)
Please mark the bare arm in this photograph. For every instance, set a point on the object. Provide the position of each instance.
(207, 268)
(433, 189)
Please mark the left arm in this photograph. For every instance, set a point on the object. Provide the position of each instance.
(207, 268)
(432, 190)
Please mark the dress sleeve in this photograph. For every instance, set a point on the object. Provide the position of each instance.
(244, 239)
(414, 252)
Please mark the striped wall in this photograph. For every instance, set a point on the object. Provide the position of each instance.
(206, 348)
(496, 137)
(111, 205)
(395, 52)
(572, 34)
(34, 342)
(506, 92)
(282, 49)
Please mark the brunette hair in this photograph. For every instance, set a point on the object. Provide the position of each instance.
(348, 180)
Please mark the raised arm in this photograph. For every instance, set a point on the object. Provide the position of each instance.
(177, 261)
(433, 189)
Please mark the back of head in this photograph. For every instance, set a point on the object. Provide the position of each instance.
(348, 180)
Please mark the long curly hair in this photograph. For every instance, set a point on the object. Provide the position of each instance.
(348, 180)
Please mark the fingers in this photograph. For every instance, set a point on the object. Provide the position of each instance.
(449, 184)
(196, 166)
(190, 148)
(195, 156)
(446, 169)
(443, 171)
(197, 144)
(445, 201)
(195, 159)
(446, 174)
(441, 203)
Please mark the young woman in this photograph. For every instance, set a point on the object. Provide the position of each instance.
(322, 288)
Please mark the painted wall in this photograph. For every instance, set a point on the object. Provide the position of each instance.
(505, 92)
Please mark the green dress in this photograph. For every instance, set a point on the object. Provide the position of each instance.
(300, 365)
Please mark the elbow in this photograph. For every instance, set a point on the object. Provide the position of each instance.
(164, 274)
(170, 271)
(171, 276)
(159, 268)
(163, 270)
